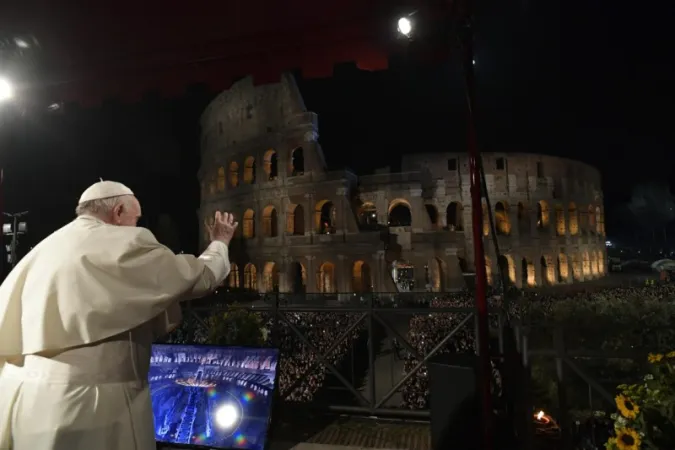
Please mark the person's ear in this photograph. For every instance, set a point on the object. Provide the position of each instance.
(117, 212)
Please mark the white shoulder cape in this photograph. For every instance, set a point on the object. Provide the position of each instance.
(89, 281)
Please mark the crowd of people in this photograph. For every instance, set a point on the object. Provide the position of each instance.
(425, 331)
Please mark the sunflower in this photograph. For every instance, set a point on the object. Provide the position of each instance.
(654, 357)
(627, 439)
(626, 406)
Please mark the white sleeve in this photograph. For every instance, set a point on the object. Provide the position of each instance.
(216, 259)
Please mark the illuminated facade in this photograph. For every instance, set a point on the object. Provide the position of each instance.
(306, 229)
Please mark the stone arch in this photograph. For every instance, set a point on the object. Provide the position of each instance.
(249, 170)
(594, 263)
(543, 215)
(250, 277)
(362, 280)
(591, 218)
(403, 274)
(297, 162)
(326, 278)
(248, 225)
(599, 221)
(563, 268)
(220, 180)
(400, 213)
(502, 221)
(432, 212)
(586, 263)
(573, 218)
(298, 276)
(508, 267)
(324, 217)
(295, 220)
(601, 262)
(523, 219)
(234, 174)
(528, 273)
(270, 221)
(367, 215)
(547, 270)
(271, 164)
(233, 279)
(560, 227)
(270, 277)
(577, 268)
(488, 270)
(454, 216)
(435, 274)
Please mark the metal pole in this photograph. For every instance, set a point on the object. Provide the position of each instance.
(485, 372)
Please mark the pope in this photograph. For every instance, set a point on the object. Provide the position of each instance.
(78, 315)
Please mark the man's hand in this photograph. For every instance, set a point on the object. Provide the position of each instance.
(222, 227)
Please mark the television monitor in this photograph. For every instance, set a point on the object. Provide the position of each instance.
(212, 397)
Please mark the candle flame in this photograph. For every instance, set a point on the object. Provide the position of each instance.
(540, 415)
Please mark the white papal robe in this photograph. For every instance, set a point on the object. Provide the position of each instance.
(78, 315)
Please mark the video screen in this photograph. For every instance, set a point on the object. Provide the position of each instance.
(217, 397)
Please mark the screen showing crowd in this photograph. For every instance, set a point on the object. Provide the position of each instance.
(217, 397)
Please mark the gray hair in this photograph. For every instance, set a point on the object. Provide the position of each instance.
(101, 207)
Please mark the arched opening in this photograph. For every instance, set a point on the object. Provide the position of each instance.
(544, 270)
(454, 216)
(326, 278)
(488, 271)
(324, 217)
(298, 277)
(270, 225)
(502, 222)
(563, 268)
(435, 275)
(271, 166)
(601, 262)
(234, 174)
(586, 264)
(528, 273)
(270, 277)
(573, 219)
(403, 274)
(400, 214)
(486, 220)
(233, 277)
(249, 170)
(577, 269)
(591, 219)
(542, 215)
(295, 220)
(507, 267)
(560, 220)
(523, 220)
(594, 264)
(249, 224)
(367, 216)
(432, 212)
(220, 181)
(361, 277)
(250, 277)
(297, 162)
(599, 221)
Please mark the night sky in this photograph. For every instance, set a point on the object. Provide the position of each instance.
(597, 87)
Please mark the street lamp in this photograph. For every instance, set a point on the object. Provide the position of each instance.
(404, 26)
(6, 90)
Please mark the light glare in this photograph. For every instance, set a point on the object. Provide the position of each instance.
(6, 90)
(404, 26)
(227, 415)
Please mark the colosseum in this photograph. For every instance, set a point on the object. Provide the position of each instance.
(304, 228)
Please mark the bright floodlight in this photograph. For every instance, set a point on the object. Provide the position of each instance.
(21, 43)
(404, 26)
(227, 415)
(6, 90)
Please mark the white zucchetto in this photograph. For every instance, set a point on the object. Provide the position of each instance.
(104, 189)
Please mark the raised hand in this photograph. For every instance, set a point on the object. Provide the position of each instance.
(222, 227)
